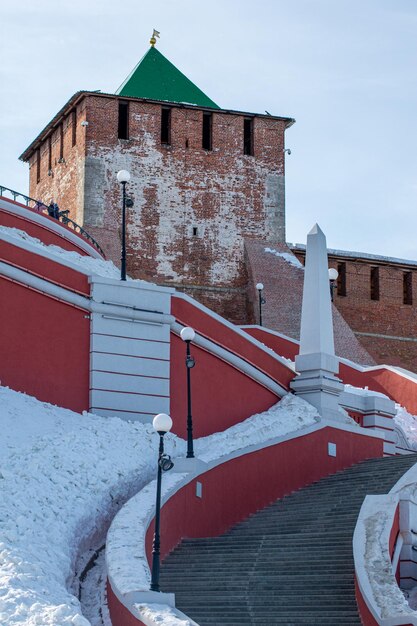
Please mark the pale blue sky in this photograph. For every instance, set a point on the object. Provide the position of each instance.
(345, 70)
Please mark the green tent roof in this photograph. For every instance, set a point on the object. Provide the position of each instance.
(156, 78)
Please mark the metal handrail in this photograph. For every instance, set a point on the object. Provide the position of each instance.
(62, 215)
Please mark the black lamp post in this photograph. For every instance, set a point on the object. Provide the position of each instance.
(187, 335)
(162, 423)
(333, 274)
(259, 287)
(123, 177)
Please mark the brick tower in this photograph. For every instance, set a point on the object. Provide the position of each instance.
(202, 180)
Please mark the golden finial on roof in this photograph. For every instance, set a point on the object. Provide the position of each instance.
(155, 34)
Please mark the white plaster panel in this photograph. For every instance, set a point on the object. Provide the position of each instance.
(148, 349)
(133, 384)
(128, 328)
(390, 437)
(120, 345)
(128, 402)
(134, 329)
(389, 448)
(129, 365)
(140, 295)
(378, 420)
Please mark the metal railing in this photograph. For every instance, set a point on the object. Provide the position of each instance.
(43, 208)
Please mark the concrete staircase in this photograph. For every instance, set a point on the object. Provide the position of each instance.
(290, 563)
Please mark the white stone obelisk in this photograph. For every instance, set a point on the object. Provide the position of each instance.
(316, 363)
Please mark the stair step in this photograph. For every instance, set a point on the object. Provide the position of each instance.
(290, 564)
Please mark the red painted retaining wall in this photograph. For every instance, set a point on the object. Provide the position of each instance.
(42, 231)
(44, 268)
(120, 615)
(395, 386)
(221, 394)
(365, 614)
(208, 326)
(44, 346)
(235, 489)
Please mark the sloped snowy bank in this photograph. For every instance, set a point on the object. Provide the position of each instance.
(62, 475)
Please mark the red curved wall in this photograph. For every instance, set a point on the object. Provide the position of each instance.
(235, 489)
(44, 346)
(212, 328)
(395, 386)
(42, 231)
(221, 394)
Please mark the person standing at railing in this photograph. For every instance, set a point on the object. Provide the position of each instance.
(39, 206)
(53, 210)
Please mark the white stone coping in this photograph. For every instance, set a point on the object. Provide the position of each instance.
(375, 573)
(237, 329)
(127, 565)
(54, 226)
(229, 356)
(360, 368)
(161, 615)
(83, 302)
(374, 368)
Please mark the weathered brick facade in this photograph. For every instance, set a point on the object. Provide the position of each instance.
(192, 207)
(386, 326)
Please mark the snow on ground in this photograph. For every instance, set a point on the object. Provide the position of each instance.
(287, 256)
(408, 423)
(88, 264)
(288, 415)
(63, 477)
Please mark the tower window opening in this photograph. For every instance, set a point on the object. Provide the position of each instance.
(195, 231)
(374, 283)
(38, 165)
(166, 125)
(61, 143)
(407, 288)
(49, 154)
(123, 125)
(74, 127)
(341, 279)
(248, 136)
(207, 131)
